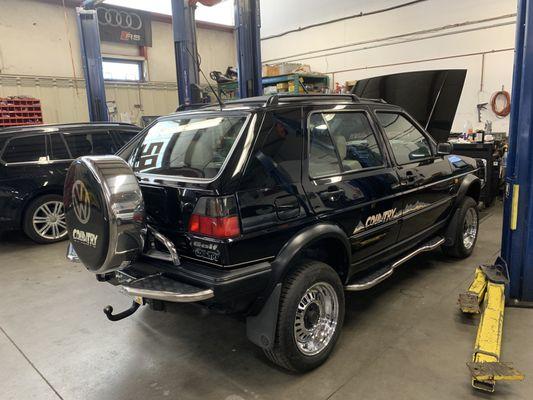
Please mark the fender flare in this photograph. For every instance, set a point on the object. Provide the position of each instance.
(261, 325)
(304, 238)
(466, 183)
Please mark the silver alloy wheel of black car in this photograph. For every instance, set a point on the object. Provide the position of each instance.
(48, 220)
(316, 318)
(470, 228)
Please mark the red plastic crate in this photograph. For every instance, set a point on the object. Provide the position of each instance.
(16, 111)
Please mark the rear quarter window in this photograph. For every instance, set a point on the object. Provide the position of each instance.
(124, 137)
(277, 159)
(90, 143)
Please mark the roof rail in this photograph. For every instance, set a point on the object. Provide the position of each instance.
(274, 99)
(194, 106)
(377, 100)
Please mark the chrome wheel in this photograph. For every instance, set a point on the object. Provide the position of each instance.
(470, 228)
(316, 318)
(49, 220)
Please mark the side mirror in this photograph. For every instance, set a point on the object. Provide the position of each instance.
(443, 149)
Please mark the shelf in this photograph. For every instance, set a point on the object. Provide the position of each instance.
(19, 124)
(316, 80)
(20, 111)
(269, 80)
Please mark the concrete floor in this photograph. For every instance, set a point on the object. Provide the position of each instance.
(402, 340)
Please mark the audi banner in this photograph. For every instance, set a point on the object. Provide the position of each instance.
(124, 25)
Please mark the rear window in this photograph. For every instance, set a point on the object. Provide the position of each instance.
(194, 147)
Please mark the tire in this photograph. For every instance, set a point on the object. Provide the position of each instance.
(463, 246)
(309, 279)
(47, 210)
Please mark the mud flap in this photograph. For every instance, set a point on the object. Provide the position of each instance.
(261, 328)
(451, 230)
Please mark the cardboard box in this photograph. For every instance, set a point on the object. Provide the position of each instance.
(285, 69)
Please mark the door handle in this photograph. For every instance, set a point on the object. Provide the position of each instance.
(332, 194)
(410, 176)
(287, 207)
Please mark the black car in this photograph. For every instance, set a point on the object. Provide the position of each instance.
(271, 208)
(33, 164)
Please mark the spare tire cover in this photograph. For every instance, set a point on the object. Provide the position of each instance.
(104, 212)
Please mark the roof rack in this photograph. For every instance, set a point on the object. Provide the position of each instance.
(59, 125)
(193, 106)
(274, 99)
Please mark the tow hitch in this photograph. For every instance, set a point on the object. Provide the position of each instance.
(108, 311)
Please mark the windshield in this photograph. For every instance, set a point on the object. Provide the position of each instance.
(188, 146)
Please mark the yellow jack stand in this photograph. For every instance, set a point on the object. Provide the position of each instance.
(488, 287)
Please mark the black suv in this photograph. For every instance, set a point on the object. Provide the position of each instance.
(271, 207)
(33, 164)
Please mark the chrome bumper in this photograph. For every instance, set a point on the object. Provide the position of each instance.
(159, 287)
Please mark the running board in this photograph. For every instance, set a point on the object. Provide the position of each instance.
(380, 275)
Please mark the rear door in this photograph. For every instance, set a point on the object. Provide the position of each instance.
(24, 171)
(426, 181)
(350, 180)
(181, 159)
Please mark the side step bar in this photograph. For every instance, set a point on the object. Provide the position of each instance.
(158, 287)
(380, 275)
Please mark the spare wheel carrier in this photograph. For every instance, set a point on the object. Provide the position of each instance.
(104, 211)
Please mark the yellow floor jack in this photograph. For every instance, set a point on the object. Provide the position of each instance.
(486, 296)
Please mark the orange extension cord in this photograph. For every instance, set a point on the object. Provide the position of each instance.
(504, 112)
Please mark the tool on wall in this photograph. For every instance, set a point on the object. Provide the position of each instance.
(480, 108)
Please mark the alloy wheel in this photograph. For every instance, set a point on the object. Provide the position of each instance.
(316, 318)
(470, 228)
(49, 220)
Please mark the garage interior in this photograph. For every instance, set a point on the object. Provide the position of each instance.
(461, 69)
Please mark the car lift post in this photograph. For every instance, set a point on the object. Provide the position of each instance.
(517, 235)
(186, 51)
(92, 63)
(248, 26)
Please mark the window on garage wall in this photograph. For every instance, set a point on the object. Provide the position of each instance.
(122, 70)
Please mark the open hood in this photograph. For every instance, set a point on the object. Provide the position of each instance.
(431, 97)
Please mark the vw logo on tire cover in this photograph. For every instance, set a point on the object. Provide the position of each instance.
(81, 202)
(118, 18)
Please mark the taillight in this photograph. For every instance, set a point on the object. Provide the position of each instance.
(215, 217)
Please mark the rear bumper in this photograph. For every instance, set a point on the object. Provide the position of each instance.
(159, 287)
(232, 290)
